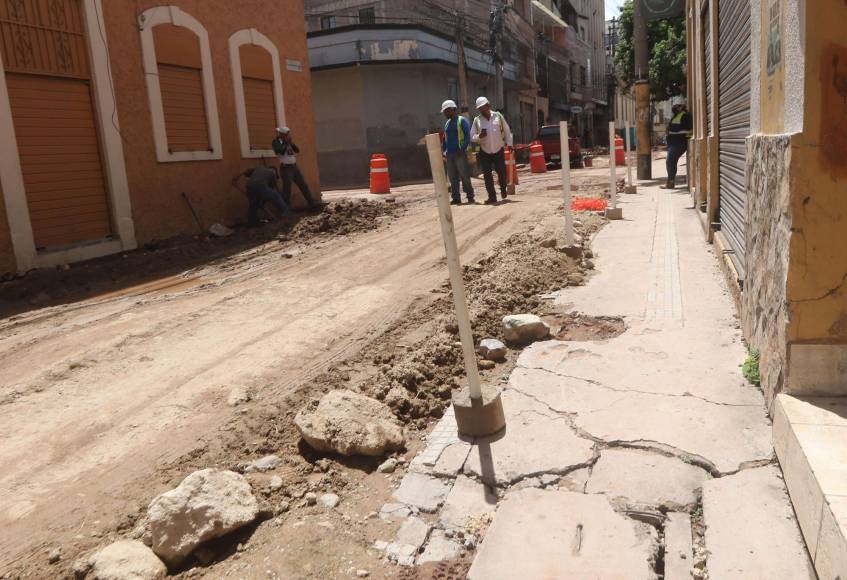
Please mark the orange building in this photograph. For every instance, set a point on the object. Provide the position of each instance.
(110, 111)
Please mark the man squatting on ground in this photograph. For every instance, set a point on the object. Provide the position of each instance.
(286, 151)
(261, 188)
(491, 131)
(457, 134)
(679, 131)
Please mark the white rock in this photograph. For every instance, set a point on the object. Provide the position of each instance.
(263, 464)
(350, 424)
(387, 466)
(220, 231)
(126, 560)
(492, 349)
(362, 573)
(311, 498)
(207, 504)
(330, 500)
(276, 483)
(524, 328)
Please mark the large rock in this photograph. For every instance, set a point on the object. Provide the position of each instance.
(350, 424)
(206, 505)
(524, 328)
(126, 560)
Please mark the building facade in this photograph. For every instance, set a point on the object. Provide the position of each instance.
(110, 111)
(768, 90)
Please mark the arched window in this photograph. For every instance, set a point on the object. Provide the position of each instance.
(180, 85)
(257, 82)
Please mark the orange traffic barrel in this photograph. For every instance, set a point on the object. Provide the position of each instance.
(620, 158)
(511, 167)
(380, 182)
(537, 163)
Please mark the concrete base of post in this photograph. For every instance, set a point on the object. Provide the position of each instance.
(614, 213)
(479, 417)
(630, 189)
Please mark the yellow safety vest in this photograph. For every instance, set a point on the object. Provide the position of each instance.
(459, 128)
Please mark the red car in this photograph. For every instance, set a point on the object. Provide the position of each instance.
(548, 136)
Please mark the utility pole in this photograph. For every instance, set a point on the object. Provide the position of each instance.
(495, 48)
(642, 93)
(464, 103)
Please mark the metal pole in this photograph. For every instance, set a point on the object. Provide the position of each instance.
(642, 93)
(566, 181)
(626, 146)
(612, 166)
(439, 178)
(464, 103)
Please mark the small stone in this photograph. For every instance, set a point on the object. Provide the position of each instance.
(492, 349)
(330, 500)
(275, 483)
(266, 463)
(311, 498)
(380, 545)
(220, 231)
(127, 559)
(54, 555)
(524, 328)
(486, 365)
(387, 466)
(362, 573)
(470, 543)
(283, 507)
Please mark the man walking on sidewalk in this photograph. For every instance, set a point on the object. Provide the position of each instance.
(457, 133)
(491, 131)
(679, 131)
(286, 151)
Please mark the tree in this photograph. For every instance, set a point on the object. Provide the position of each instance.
(667, 45)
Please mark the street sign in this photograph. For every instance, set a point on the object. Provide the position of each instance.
(576, 109)
(658, 9)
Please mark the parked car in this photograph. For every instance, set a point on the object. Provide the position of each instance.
(549, 138)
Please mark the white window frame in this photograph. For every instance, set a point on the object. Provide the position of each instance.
(236, 41)
(147, 21)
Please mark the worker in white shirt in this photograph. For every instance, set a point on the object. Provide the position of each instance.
(492, 133)
(286, 151)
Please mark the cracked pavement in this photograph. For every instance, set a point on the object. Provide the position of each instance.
(608, 441)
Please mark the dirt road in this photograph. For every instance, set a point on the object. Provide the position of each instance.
(95, 396)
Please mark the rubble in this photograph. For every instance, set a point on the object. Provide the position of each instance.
(125, 560)
(524, 328)
(492, 349)
(439, 548)
(422, 491)
(350, 424)
(207, 504)
(237, 396)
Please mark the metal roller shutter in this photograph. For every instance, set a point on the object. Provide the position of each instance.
(261, 112)
(734, 121)
(185, 108)
(707, 39)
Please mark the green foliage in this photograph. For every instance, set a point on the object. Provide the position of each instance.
(750, 368)
(668, 49)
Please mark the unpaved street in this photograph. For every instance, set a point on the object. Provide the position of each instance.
(95, 396)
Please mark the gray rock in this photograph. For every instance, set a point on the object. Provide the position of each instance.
(387, 466)
(207, 504)
(126, 560)
(311, 498)
(54, 555)
(524, 328)
(263, 464)
(350, 424)
(492, 349)
(275, 483)
(330, 500)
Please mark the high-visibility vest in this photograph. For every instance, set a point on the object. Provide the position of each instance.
(459, 127)
(677, 120)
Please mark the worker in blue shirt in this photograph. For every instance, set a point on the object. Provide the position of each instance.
(457, 137)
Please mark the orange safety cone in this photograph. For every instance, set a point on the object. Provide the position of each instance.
(511, 167)
(380, 181)
(537, 163)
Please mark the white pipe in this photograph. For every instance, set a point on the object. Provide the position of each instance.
(565, 156)
(439, 178)
(612, 167)
(626, 146)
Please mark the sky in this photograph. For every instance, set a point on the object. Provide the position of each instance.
(612, 8)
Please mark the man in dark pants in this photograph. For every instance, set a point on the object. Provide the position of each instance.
(491, 131)
(679, 131)
(457, 134)
(261, 188)
(286, 152)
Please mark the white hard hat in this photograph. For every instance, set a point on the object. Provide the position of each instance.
(481, 102)
(448, 104)
(283, 130)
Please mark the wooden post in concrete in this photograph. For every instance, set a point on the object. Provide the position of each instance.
(478, 411)
(613, 212)
(566, 181)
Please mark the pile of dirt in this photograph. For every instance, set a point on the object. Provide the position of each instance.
(346, 217)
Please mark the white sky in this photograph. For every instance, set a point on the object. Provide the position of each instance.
(612, 8)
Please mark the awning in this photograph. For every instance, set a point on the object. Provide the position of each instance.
(552, 15)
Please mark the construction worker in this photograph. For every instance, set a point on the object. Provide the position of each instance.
(261, 188)
(492, 133)
(286, 151)
(679, 131)
(457, 134)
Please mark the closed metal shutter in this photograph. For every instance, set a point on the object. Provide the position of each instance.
(707, 39)
(184, 107)
(734, 121)
(261, 112)
(48, 79)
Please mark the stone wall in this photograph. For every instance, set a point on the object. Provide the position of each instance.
(768, 234)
